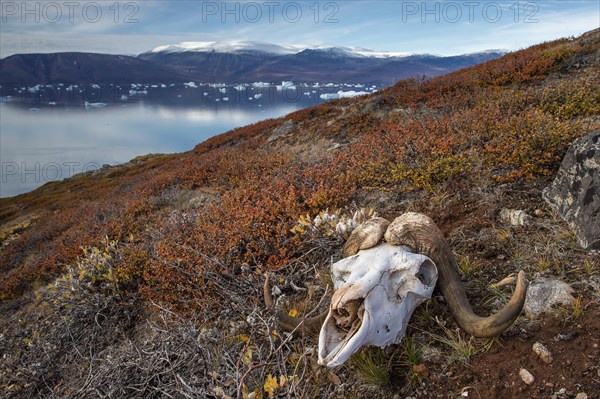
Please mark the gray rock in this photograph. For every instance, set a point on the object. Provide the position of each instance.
(544, 293)
(281, 131)
(431, 354)
(514, 217)
(575, 192)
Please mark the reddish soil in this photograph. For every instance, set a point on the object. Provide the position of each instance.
(575, 369)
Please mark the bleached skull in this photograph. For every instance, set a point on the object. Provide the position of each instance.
(376, 292)
(381, 281)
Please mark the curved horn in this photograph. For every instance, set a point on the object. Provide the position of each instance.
(421, 234)
(289, 323)
(365, 236)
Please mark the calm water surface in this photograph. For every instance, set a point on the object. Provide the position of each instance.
(50, 133)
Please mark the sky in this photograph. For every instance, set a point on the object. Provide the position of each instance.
(433, 27)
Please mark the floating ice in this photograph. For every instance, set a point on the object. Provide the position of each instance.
(286, 85)
(94, 105)
(342, 94)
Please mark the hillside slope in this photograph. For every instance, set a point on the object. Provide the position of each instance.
(148, 275)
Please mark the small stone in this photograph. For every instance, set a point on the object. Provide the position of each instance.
(566, 337)
(538, 213)
(543, 352)
(581, 395)
(526, 376)
(514, 217)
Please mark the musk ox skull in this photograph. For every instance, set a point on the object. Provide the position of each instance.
(375, 294)
(388, 270)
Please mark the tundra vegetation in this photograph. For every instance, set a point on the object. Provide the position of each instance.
(145, 279)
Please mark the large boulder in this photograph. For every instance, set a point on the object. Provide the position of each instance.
(575, 192)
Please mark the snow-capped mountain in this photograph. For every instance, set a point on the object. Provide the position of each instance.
(247, 46)
(250, 61)
(234, 62)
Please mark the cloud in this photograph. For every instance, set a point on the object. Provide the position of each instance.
(19, 43)
(431, 27)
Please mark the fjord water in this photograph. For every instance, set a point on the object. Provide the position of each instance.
(46, 137)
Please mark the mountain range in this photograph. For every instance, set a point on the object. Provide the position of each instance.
(232, 62)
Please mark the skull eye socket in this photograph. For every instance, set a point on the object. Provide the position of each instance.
(427, 273)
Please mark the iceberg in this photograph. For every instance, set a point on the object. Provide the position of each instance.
(342, 94)
(89, 105)
(286, 85)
